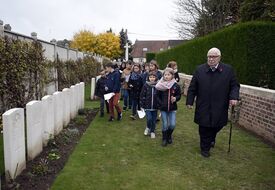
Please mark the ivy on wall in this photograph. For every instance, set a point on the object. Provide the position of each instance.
(25, 72)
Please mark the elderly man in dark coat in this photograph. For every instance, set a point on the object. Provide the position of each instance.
(215, 87)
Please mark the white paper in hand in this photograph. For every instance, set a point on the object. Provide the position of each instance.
(108, 96)
(141, 113)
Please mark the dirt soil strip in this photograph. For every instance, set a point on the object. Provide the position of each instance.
(41, 172)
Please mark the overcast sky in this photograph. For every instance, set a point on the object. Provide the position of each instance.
(60, 19)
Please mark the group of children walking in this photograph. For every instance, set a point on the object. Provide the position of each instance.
(142, 87)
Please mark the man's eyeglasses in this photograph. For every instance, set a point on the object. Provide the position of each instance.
(212, 56)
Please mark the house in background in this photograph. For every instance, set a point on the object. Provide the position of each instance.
(140, 48)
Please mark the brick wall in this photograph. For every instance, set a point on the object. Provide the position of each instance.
(257, 112)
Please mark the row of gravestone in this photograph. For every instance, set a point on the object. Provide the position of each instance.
(44, 119)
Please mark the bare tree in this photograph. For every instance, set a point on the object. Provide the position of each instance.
(200, 17)
(187, 17)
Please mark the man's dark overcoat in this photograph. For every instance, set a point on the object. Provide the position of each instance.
(212, 90)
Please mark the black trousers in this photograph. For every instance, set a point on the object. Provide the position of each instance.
(208, 135)
(102, 102)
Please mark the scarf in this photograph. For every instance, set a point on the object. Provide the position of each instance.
(134, 76)
(152, 84)
(163, 85)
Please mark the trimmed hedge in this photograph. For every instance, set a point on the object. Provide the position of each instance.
(248, 47)
(150, 56)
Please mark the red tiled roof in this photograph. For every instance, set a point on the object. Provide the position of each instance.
(152, 47)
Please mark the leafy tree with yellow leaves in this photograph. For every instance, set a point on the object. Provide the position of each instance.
(106, 44)
(84, 40)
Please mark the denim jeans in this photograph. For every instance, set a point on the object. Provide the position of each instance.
(126, 98)
(122, 92)
(168, 120)
(151, 117)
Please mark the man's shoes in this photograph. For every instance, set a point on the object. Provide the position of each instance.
(157, 120)
(146, 131)
(119, 117)
(124, 108)
(205, 154)
(101, 115)
(111, 119)
(153, 135)
(213, 144)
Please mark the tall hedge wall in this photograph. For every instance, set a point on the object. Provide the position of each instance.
(150, 56)
(248, 47)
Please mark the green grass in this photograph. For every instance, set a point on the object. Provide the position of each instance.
(1, 154)
(118, 156)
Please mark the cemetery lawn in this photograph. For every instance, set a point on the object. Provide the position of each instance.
(117, 155)
(1, 154)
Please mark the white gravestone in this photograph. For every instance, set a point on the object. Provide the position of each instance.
(34, 128)
(75, 99)
(93, 88)
(47, 118)
(14, 141)
(78, 98)
(82, 94)
(66, 106)
(72, 102)
(58, 112)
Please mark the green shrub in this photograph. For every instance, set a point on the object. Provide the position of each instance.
(248, 47)
(150, 56)
(71, 72)
(41, 168)
(53, 156)
(24, 72)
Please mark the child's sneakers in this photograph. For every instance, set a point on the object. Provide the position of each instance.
(111, 119)
(153, 135)
(119, 117)
(133, 117)
(146, 131)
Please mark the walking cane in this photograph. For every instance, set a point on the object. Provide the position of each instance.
(231, 125)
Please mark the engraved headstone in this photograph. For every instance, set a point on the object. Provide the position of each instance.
(47, 118)
(93, 83)
(14, 141)
(34, 128)
(72, 102)
(82, 95)
(58, 112)
(66, 106)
